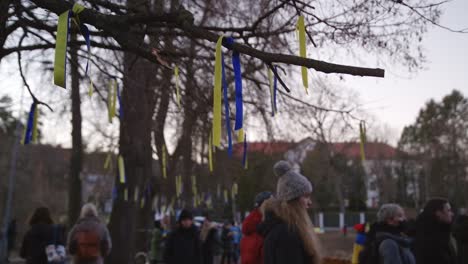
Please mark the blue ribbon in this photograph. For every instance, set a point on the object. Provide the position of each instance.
(244, 158)
(29, 127)
(114, 193)
(238, 81)
(85, 32)
(120, 103)
(226, 109)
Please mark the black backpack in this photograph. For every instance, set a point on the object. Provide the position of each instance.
(370, 252)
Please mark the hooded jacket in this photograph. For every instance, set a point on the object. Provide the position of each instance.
(395, 249)
(37, 239)
(183, 246)
(95, 225)
(434, 243)
(251, 246)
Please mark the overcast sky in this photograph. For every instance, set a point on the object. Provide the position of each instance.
(394, 100)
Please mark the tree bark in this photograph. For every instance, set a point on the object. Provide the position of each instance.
(76, 160)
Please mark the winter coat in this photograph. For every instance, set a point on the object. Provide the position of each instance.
(227, 238)
(37, 239)
(209, 245)
(434, 243)
(251, 245)
(395, 249)
(282, 244)
(460, 232)
(183, 246)
(156, 247)
(90, 224)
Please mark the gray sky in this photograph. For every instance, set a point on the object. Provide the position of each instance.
(394, 100)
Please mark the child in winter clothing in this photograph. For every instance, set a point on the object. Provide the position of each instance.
(251, 245)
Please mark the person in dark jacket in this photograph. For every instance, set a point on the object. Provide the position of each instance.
(251, 245)
(183, 244)
(393, 246)
(227, 238)
(42, 233)
(434, 243)
(89, 241)
(287, 229)
(209, 240)
(460, 232)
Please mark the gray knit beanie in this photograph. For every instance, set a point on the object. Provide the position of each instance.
(291, 184)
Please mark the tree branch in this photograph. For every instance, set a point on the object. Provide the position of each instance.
(118, 26)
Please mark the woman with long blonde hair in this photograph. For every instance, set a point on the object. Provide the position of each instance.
(287, 228)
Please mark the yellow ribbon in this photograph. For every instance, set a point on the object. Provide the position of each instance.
(91, 88)
(240, 135)
(217, 94)
(111, 100)
(121, 169)
(35, 131)
(107, 161)
(272, 98)
(194, 185)
(302, 50)
(362, 136)
(136, 194)
(125, 194)
(61, 50)
(226, 199)
(210, 154)
(176, 74)
(164, 161)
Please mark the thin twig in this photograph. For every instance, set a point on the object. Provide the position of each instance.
(35, 100)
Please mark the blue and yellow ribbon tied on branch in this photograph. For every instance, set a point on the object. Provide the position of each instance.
(30, 132)
(363, 139)
(121, 166)
(217, 93)
(302, 50)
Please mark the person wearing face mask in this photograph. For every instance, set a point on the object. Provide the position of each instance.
(434, 243)
(386, 242)
(394, 247)
(288, 232)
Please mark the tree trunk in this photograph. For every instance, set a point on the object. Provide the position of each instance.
(76, 160)
(127, 221)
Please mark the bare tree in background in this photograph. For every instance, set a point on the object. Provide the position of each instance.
(184, 35)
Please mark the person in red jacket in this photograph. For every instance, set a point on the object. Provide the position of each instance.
(251, 242)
